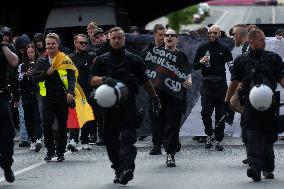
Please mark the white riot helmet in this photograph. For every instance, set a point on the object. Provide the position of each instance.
(260, 97)
(107, 96)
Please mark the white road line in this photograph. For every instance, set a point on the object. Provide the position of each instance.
(248, 16)
(221, 18)
(273, 14)
(35, 166)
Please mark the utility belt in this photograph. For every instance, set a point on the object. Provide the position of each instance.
(214, 82)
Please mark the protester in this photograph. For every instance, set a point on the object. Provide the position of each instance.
(211, 58)
(159, 32)
(28, 91)
(57, 88)
(82, 60)
(173, 107)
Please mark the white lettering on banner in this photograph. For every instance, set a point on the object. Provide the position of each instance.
(173, 85)
(162, 52)
(151, 74)
(161, 61)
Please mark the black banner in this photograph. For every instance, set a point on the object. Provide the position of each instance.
(167, 70)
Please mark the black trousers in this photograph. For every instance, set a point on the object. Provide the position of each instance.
(173, 114)
(55, 108)
(7, 133)
(32, 117)
(260, 151)
(213, 99)
(85, 131)
(119, 137)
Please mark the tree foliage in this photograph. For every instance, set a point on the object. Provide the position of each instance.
(181, 17)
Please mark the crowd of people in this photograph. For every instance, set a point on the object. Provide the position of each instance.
(38, 81)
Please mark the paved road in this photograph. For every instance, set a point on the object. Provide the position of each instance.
(196, 168)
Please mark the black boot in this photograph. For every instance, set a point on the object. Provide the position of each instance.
(156, 150)
(170, 161)
(126, 176)
(268, 175)
(116, 177)
(209, 141)
(254, 173)
(9, 175)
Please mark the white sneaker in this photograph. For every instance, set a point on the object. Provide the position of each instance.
(33, 147)
(38, 145)
(72, 146)
(87, 147)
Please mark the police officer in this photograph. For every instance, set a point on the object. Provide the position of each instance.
(8, 57)
(211, 58)
(120, 123)
(253, 68)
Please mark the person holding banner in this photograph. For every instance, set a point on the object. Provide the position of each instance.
(172, 79)
(121, 121)
(211, 58)
(56, 96)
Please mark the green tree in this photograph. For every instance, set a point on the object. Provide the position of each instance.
(181, 17)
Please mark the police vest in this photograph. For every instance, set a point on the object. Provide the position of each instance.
(63, 77)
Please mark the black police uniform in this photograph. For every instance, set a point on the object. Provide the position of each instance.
(7, 132)
(213, 87)
(120, 123)
(54, 105)
(260, 127)
(83, 61)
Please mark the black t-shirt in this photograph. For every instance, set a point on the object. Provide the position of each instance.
(3, 66)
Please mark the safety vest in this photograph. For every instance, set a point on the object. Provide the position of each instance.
(63, 77)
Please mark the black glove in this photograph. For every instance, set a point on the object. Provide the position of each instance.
(156, 105)
(226, 108)
(109, 81)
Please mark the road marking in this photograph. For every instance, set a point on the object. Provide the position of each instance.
(35, 165)
(273, 14)
(248, 16)
(221, 18)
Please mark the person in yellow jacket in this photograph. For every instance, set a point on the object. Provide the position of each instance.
(57, 87)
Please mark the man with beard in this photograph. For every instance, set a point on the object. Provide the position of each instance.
(211, 58)
(120, 120)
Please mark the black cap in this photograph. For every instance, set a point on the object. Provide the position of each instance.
(99, 31)
(133, 28)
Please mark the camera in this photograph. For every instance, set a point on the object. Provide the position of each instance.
(32, 65)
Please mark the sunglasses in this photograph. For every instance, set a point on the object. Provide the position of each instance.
(214, 33)
(83, 42)
(171, 35)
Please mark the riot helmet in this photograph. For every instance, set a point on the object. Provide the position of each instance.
(261, 97)
(107, 96)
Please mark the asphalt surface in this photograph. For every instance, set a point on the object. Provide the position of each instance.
(196, 168)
